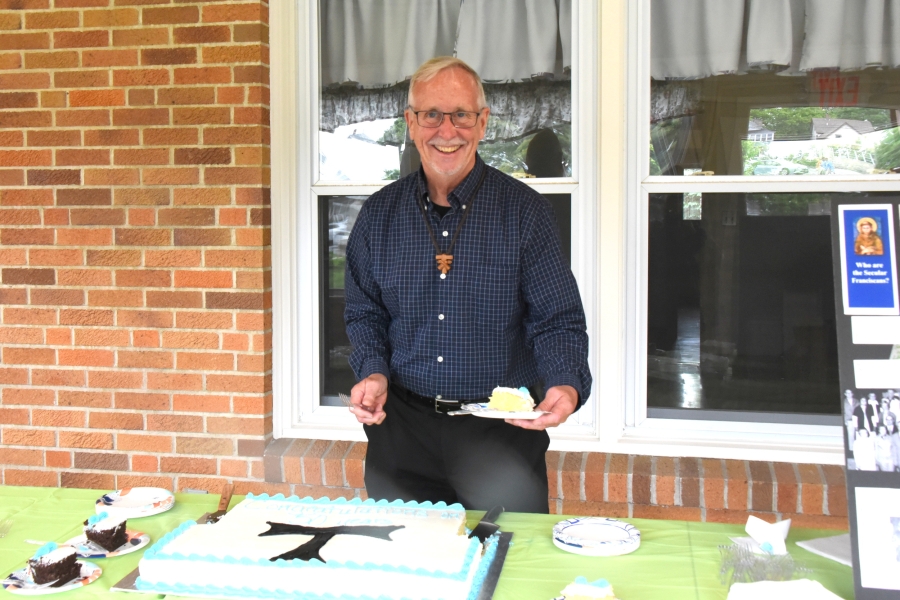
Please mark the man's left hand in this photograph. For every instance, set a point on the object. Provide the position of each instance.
(560, 402)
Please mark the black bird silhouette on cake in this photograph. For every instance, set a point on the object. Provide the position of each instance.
(322, 535)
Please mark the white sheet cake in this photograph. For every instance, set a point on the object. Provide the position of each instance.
(381, 550)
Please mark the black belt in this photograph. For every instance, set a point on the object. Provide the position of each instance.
(441, 405)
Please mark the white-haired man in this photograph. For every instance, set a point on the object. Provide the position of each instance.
(455, 284)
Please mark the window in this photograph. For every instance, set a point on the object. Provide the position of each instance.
(368, 53)
(659, 170)
(756, 120)
(342, 137)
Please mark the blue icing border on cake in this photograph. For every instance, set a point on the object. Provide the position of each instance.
(155, 553)
(367, 502)
(490, 551)
(157, 550)
(245, 592)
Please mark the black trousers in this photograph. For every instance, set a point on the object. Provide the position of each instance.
(419, 454)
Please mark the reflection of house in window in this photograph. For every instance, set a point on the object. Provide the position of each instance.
(847, 130)
(757, 132)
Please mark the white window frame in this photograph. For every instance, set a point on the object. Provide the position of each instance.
(610, 190)
(295, 193)
(761, 441)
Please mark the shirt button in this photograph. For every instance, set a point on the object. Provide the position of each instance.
(438, 397)
(440, 359)
(446, 234)
(464, 207)
(441, 317)
(443, 276)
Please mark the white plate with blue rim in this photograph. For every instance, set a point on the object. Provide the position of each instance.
(132, 503)
(135, 541)
(596, 536)
(481, 409)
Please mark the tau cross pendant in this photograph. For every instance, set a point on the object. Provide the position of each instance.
(443, 262)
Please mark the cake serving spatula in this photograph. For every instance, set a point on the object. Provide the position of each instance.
(486, 527)
(223, 505)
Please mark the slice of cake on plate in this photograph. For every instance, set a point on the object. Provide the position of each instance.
(106, 531)
(511, 399)
(582, 589)
(52, 563)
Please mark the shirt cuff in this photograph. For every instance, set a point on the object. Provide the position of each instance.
(373, 366)
(570, 379)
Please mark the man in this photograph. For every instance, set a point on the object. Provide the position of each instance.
(456, 284)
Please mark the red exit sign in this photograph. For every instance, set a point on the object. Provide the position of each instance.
(835, 89)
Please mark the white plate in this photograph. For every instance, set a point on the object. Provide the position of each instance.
(89, 573)
(132, 503)
(596, 536)
(136, 541)
(482, 410)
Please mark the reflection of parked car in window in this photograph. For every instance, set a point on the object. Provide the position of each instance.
(779, 167)
(338, 234)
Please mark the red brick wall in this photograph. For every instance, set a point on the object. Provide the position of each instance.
(609, 485)
(135, 305)
(135, 288)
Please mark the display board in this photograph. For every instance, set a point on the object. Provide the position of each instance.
(868, 331)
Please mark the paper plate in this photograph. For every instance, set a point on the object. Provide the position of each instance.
(136, 541)
(596, 536)
(482, 410)
(133, 503)
(26, 587)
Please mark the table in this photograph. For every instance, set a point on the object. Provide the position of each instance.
(676, 560)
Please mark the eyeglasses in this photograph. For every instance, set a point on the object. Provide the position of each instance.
(461, 119)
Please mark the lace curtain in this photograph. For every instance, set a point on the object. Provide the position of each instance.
(517, 109)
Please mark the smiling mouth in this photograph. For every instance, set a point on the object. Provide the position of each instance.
(447, 149)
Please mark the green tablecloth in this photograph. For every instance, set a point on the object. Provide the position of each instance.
(677, 559)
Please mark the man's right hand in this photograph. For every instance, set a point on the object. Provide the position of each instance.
(367, 399)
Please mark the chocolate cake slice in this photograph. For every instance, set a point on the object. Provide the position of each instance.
(54, 563)
(105, 531)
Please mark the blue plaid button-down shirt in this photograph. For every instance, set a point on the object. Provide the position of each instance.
(507, 314)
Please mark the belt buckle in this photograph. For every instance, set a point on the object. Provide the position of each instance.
(442, 405)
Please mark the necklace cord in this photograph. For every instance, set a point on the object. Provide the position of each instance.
(462, 221)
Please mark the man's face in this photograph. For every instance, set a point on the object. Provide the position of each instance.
(866, 228)
(448, 153)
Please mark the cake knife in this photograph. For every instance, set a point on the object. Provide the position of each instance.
(486, 527)
(223, 505)
(127, 583)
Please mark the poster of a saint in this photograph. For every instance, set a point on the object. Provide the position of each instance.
(868, 265)
(868, 242)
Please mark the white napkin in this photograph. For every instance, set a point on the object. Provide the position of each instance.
(836, 547)
(781, 590)
(765, 538)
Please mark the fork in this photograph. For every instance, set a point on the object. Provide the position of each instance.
(5, 526)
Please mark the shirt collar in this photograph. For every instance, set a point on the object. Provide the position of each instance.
(461, 192)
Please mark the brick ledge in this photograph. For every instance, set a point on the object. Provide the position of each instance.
(599, 483)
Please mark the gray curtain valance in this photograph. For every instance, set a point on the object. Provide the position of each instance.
(380, 43)
(692, 39)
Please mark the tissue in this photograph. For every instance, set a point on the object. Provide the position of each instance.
(765, 538)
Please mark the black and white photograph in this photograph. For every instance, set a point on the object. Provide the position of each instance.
(873, 437)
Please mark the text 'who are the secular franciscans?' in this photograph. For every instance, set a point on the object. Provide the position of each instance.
(867, 260)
